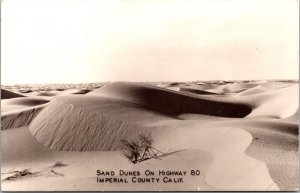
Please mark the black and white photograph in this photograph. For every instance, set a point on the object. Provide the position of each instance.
(149, 95)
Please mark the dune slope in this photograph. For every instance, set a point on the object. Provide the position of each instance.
(6, 94)
(278, 103)
(101, 118)
(26, 101)
(19, 117)
(87, 123)
(196, 91)
(169, 102)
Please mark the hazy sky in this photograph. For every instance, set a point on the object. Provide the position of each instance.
(72, 41)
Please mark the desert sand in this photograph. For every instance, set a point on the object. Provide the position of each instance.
(241, 135)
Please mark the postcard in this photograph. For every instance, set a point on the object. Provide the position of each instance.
(168, 95)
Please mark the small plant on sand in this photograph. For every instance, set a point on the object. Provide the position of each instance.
(18, 174)
(140, 149)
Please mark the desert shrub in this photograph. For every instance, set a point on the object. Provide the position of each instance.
(137, 150)
(145, 140)
(140, 149)
(19, 174)
(131, 150)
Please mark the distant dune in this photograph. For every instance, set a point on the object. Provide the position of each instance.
(168, 102)
(196, 91)
(83, 91)
(6, 94)
(25, 101)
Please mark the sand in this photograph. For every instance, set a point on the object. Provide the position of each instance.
(6, 94)
(17, 112)
(233, 138)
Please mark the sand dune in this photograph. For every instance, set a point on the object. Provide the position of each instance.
(274, 103)
(196, 91)
(25, 91)
(204, 87)
(232, 87)
(255, 90)
(26, 101)
(294, 118)
(174, 88)
(171, 103)
(16, 112)
(6, 94)
(79, 127)
(213, 88)
(19, 117)
(101, 111)
(243, 140)
(83, 91)
(53, 93)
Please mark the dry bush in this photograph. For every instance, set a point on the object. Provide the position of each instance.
(19, 174)
(140, 149)
(131, 150)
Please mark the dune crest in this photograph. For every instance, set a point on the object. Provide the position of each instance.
(278, 103)
(27, 101)
(196, 91)
(6, 94)
(19, 117)
(169, 102)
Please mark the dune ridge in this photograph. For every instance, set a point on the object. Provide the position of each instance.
(13, 104)
(196, 91)
(170, 102)
(27, 101)
(19, 117)
(274, 103)
(6, 94)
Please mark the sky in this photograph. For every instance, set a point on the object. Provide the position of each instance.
(80, 41)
